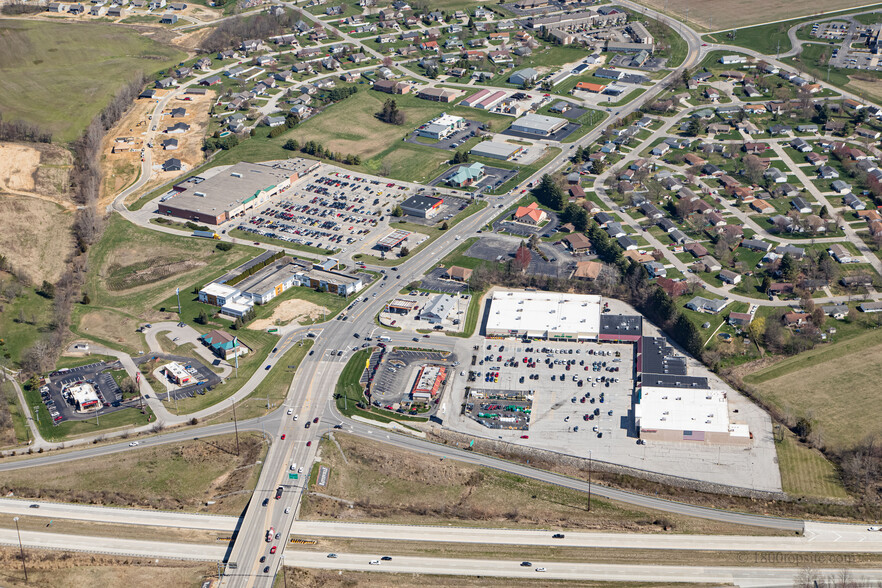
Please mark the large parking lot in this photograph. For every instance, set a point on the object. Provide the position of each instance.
(576, 389)
(333, 211)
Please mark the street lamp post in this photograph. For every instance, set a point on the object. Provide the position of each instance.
(21, 548)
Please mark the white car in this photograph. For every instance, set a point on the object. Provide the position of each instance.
(287, 510)
(540, 569)
(134, 443)
(293, 467)
(300, 471)
(295, 416)
(374, 562)
(874, 528)
(290, 411)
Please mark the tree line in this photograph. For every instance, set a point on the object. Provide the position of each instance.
(230, 33)
(19, 130)
(318, 150)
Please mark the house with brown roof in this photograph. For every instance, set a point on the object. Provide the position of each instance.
(795, 319)
(577, 242)
(730, 231)
(587, 270)
(781, 288)
(673, 288)
(693, 159)
(456, 273)
(696, 249)
(739, 319)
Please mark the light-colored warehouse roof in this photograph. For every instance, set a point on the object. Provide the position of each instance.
(539, 123)
(683, 409)
(494, 149)
(544, 313)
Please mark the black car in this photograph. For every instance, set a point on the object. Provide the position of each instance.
(265, 501)
(386, 558)
(262, 558)
(307, 424)
(557, 536)
(266, 570)
(338, 426)
(526, 564)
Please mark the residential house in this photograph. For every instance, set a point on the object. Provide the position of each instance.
(800, 205)
(825, 172)
(776, 175)
(739, 319)
(626, 242)
(853, 202)
(673, 288)
(841, 254)
(701, 304)
(795, 319)
(655, 269)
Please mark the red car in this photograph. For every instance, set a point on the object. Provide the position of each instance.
(315, 420)
(525, 436)
(308, 443)
(273, 549)
(283, 436)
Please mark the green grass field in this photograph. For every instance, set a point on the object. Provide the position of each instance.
(805, 471)
(60, 75)
(21, 321)
(170, 477)
(829, 385)
(769, 38)
(129, 268)
(379, 144)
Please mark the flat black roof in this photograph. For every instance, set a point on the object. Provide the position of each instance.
(659, 358)
(619, 324)
(423, 203)
(675, 381)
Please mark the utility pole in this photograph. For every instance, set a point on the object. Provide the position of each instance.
(178, 293)
(236, 427)
(21, 548)
(589, 480)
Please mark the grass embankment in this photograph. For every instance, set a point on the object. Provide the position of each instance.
(68, 72)
(345, 579)
(829, 385)
(805, 471)
(69, 568)
(13, 421)
(398, 486)
(272, 390)
(168, 477)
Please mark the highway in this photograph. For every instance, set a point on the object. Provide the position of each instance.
(747, 576)
(750, 574)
